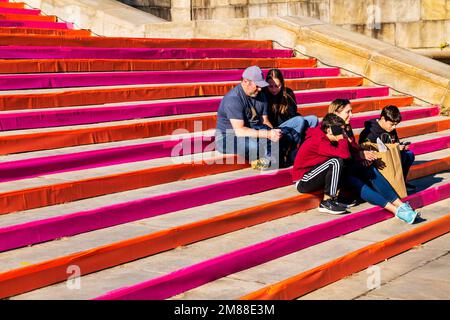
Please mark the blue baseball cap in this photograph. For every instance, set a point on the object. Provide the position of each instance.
(255, 74)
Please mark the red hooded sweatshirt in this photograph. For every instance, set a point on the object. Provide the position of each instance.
(317, 149)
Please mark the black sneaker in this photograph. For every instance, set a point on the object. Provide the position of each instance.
(346, 203)
(330, 206)
(410, 186)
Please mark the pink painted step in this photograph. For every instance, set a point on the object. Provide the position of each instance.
(20, 235)
(62, 117)
(419, 113)
(36, 24)
(30, 168)
(34, 12)
(66, 80)
(36, 52)
(16, 236)
(191, 277)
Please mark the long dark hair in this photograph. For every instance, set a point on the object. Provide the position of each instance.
(279, 103)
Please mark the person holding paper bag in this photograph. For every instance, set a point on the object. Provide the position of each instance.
(384, 129)
(363, 177)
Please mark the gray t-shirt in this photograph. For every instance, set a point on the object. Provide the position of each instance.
(237, 105)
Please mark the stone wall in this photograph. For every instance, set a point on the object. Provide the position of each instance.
(104, 17)
(159, 8)
(379, 61)
(404, 23)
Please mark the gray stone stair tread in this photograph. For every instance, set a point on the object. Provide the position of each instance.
(58, 90)
(160, 264)
(409, 266)
(120, 197)
(293, 264)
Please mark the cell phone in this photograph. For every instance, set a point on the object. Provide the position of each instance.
(337, 130)
(405, 143)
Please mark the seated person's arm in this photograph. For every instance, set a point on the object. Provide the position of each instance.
(266, 121)
(340, 150)
(242, 131)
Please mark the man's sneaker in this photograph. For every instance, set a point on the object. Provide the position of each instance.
(406, 213)
(260, 164)
(330, 206)
(410, 186)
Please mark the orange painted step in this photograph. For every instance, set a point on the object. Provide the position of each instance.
(76, 137)
(350, 263)
(12, 5)
(359, 106)
(93, 187)
(37, 31)
(116, 42)
(26, 17)
(100, 96)
(53, 271)
(99, 65)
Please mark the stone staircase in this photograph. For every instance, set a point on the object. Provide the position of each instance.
(108, 168)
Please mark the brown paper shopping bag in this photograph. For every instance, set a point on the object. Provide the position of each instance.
(390, 165)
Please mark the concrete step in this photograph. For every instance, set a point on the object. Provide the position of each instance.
(79, 180)
(143, 269)
(51, 138)
(358, 121)
(128, 42)
(421, 273)
(365, 104)
(76, 179)
(97, 79)
(55, 52)
(171, 219)
(30, 119)
(289, 82)
(107, 65)
(350, 88)
(373, 114)
(245, 282)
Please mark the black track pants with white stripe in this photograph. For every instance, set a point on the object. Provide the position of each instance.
(324, 176)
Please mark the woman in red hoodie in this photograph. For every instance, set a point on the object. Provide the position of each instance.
(319, 162)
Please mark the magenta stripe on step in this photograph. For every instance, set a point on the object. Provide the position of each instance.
(350, 94)
(65, 80)
(36, 52)
(429, 146)
(65, 117)
(34, 12)
(30, 168)
(36, 24)
(196, 275)
(16, 236)
(358, 122)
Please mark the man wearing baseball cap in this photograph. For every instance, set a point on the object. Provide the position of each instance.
(243, 126)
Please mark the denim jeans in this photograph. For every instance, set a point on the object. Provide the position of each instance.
(250, 148)
(300, 124)
(369, 184)
(407, 158)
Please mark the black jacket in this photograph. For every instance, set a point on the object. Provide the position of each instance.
(372, 131)
(276, 118)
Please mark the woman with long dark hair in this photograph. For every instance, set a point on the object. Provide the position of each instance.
(283, 114)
